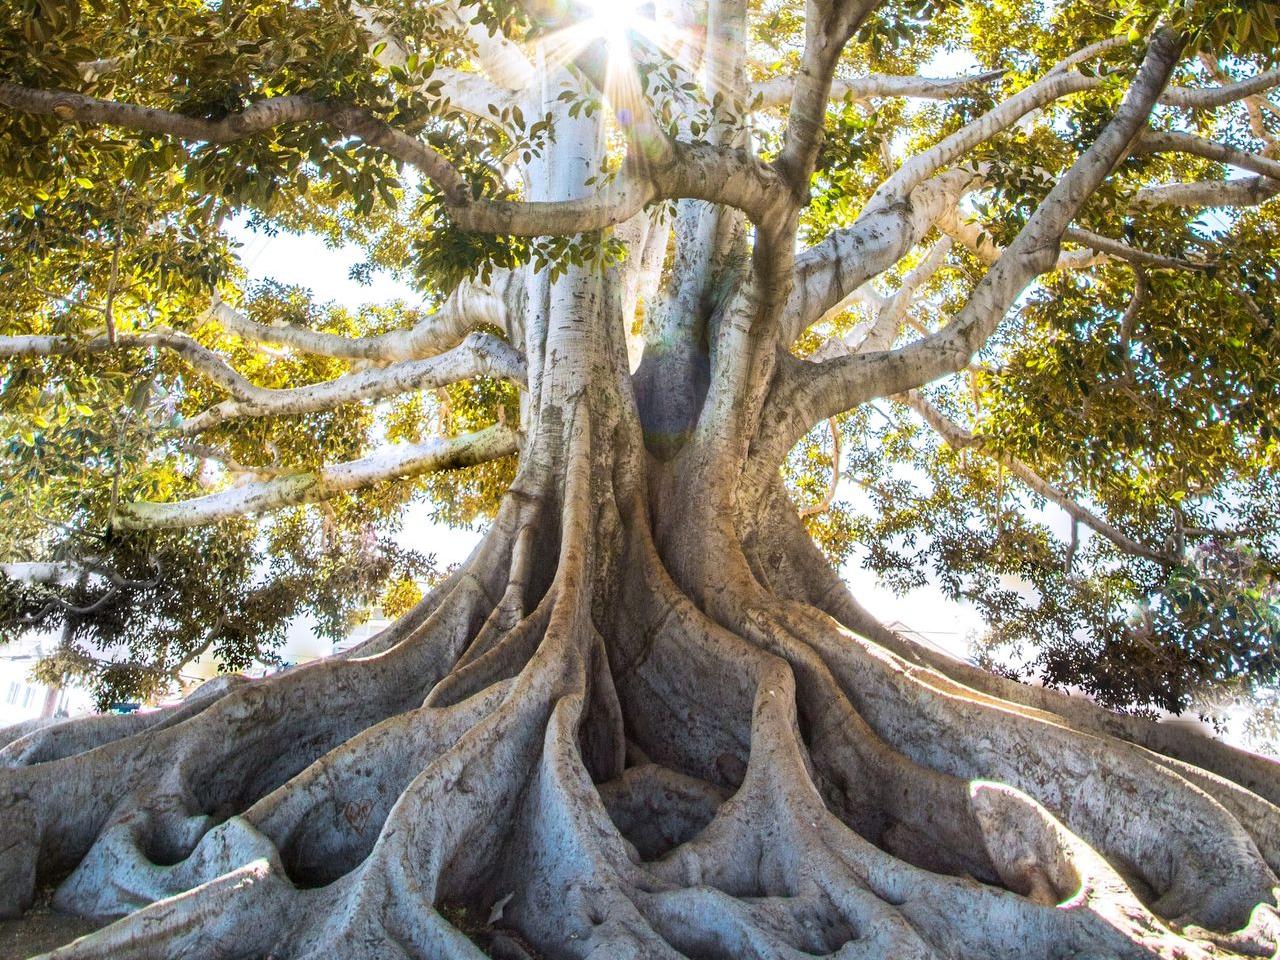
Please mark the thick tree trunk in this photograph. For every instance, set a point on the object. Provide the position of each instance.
(627, 727)
(645, 719)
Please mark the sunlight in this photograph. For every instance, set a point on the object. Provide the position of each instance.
(614, 19)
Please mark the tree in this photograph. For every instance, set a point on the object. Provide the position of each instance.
(645, 718)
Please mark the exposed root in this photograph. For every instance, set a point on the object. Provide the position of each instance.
(547, 759)
(789, 563)
(52, 741)
(1110, 792)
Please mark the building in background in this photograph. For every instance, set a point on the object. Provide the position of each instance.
(21, 697)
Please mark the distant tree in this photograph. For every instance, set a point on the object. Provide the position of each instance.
(667, 257)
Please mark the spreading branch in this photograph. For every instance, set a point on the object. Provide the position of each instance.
(259, 117)
(1130, 254)
(697, 171)
(1210, 98)
(828, 25)
(1053, 86)
(839, 384)
(1173, 141)
(466, 309)
(480, 355)
(827, 274)
(778, 91)
(959, 438)
(200, 357)
(913, 200)
(405, 460)
(1240, 192)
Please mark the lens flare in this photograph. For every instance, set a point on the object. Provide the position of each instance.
(614, 19)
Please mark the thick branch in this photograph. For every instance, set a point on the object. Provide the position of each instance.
(480, 355)
(984, 247)
(1035, 250)
(698, 171)
(199, 356)
(1131, 254)
(828, 273)
(1242, 192)
(257, 118)
(918, 168)
(842, 383)
(1173, 141)
(393, 463)
(1209, 98)
(828, 24)
(467, 308)
(906, 205)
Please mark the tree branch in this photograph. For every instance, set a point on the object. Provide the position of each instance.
(480, 355)
(1241, 192)
(839, 384)
(778, 91)
(1123, 251)
(1209, 98)
(1051, 87)
(257, 118)
(695, 170)
(396, 462)
(467, 308)
(1173, 141)
(828, 25)
(829, 272)
(906, 205)
(199, 356)
(958, 438)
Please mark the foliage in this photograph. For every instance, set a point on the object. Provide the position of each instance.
(1162, 419)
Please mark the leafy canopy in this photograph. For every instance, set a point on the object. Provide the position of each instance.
(1145, 393)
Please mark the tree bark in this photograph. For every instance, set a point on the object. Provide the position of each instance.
(645, 719)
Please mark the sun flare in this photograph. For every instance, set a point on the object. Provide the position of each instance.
(614, 19)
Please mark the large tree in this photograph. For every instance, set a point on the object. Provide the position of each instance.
(659, 248)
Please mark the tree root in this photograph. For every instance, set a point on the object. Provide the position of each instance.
(533, 765)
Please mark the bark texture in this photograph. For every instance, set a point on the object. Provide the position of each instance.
(646, 719)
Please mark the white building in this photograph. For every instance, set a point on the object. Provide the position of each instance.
(21, 697)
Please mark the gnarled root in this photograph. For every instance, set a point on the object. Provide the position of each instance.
(557, 756)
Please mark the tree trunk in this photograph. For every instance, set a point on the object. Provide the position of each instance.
(645, 719)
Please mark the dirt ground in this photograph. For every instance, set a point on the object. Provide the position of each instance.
(39, 930)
